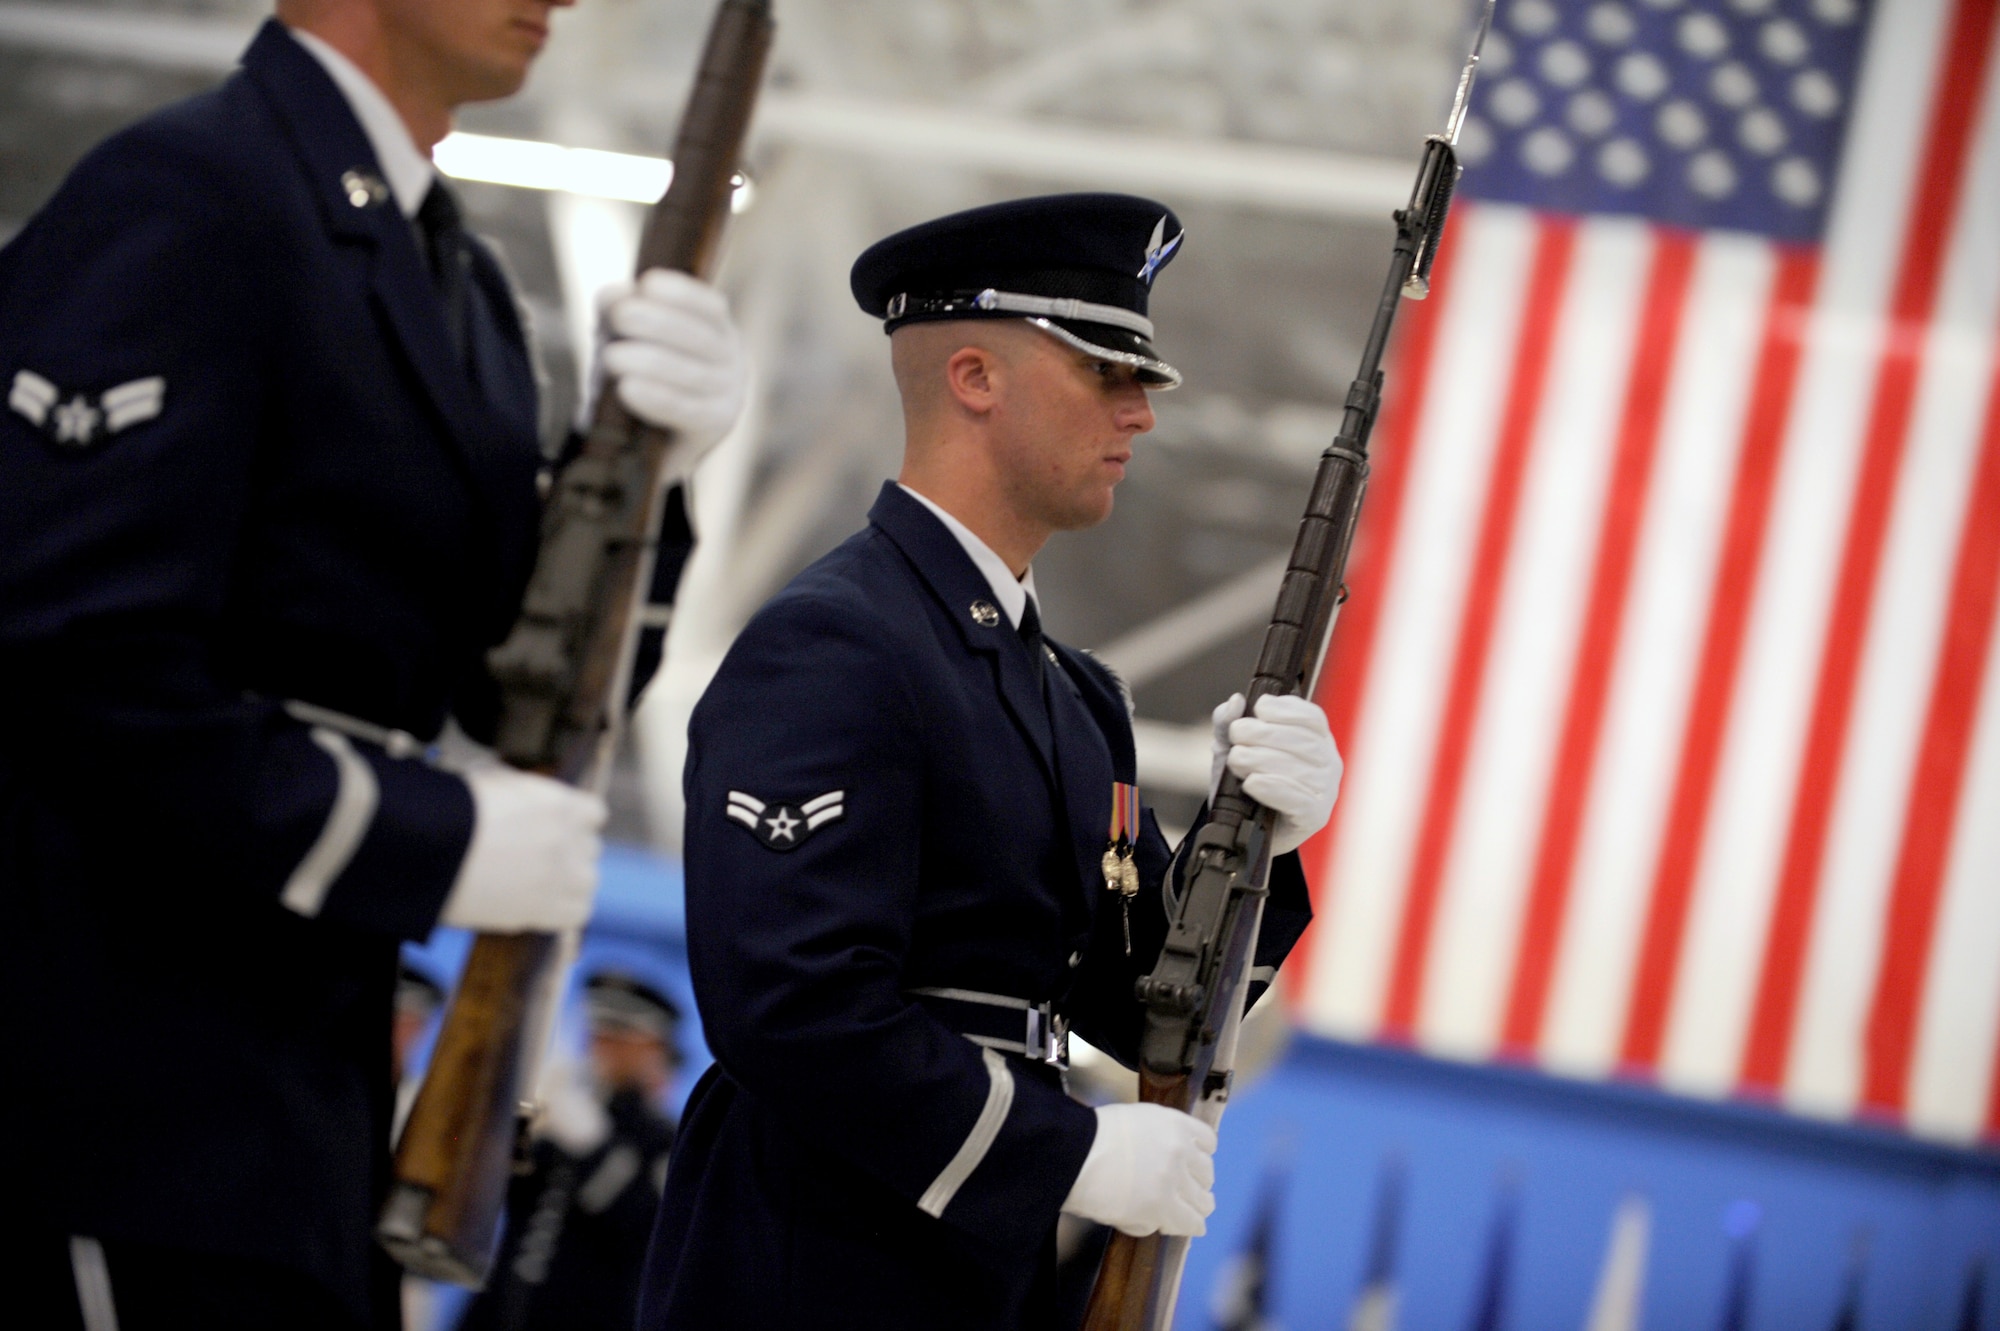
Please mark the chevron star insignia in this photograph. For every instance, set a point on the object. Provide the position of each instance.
(781, 825)
(79, 419)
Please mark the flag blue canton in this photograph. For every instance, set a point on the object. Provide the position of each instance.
(1693, 113)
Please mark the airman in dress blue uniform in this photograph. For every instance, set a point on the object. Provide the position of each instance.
(916, 857)
(580, 1215)
(269, 461)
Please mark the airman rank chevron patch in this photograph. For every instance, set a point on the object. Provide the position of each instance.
(784, 826)
(78, 420)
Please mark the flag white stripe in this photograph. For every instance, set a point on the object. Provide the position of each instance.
(1757, 780)
(1354, 951)
(1952, 1073)
(1953, 1062)
(1534, 641)
(1475, 947)
(1657, 657)
(1952, 1070)
(1900, 656)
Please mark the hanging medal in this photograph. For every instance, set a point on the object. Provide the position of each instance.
(1120, 863)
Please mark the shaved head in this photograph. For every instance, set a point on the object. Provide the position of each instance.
(921, 356)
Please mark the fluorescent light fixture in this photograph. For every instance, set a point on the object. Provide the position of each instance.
(527, 164)
(590, 172)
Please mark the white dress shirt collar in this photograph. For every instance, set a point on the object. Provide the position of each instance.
(1011, 594)
(409, 172)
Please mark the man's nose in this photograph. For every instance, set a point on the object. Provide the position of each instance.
(1136, 412)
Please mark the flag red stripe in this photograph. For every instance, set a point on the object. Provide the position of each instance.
(1993, 1098)
(1737, 565)
(1653, 356)
(1939, 181)
(1993, 1102)
(1938, 782)
(1547, 278)
(1343, 680)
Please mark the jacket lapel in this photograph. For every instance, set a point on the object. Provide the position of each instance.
(497, 449)
(1087, 765)
(957, 583)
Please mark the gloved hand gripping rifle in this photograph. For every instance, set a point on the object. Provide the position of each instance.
(564, 673)
(1194, 995)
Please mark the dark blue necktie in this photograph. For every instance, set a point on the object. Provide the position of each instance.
(443, 229)
(1030, 629)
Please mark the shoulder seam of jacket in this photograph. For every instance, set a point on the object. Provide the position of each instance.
(999, 1099)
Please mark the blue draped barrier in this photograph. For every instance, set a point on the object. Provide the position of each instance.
(1369, 1189)
(1504, 1188)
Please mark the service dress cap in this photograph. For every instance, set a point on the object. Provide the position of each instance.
(624, 1002)
(1077, 266)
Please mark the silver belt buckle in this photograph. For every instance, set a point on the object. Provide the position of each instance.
(1048, 1036)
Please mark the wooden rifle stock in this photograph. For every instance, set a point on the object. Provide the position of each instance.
(1129, 1280)
(1195, 994)
(563, 673)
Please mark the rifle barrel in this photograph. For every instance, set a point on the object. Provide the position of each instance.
(1195, 992)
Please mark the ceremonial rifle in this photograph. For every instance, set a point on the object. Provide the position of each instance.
(1194, 995)
(564, 673)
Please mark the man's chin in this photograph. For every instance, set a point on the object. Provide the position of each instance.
(494, 79)
(1085, 516)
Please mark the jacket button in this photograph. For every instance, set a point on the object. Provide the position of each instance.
(1075, 960)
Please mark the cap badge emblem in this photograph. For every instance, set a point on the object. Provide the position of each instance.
(1158, 250)
(984, 614)
(363, 189)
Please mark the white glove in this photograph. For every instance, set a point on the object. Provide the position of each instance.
(573, 1114)
(456, 751)
(1150, 1171)
(532, 865)
(1287, 760)
(675, 357)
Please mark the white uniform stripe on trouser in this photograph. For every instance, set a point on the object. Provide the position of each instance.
(347, 822)
(93, 1284)
(999, 1099)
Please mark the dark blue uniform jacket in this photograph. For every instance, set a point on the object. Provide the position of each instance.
(323, 508)
(853, 1161)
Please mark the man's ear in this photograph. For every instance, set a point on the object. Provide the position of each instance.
(973, 375)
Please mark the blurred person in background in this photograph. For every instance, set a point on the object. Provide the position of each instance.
(578, 1220)
(269, 472)
(915, 848)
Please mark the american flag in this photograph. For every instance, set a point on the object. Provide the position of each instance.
(1668, 683)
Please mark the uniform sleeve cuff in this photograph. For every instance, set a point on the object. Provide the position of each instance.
(403, 858)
